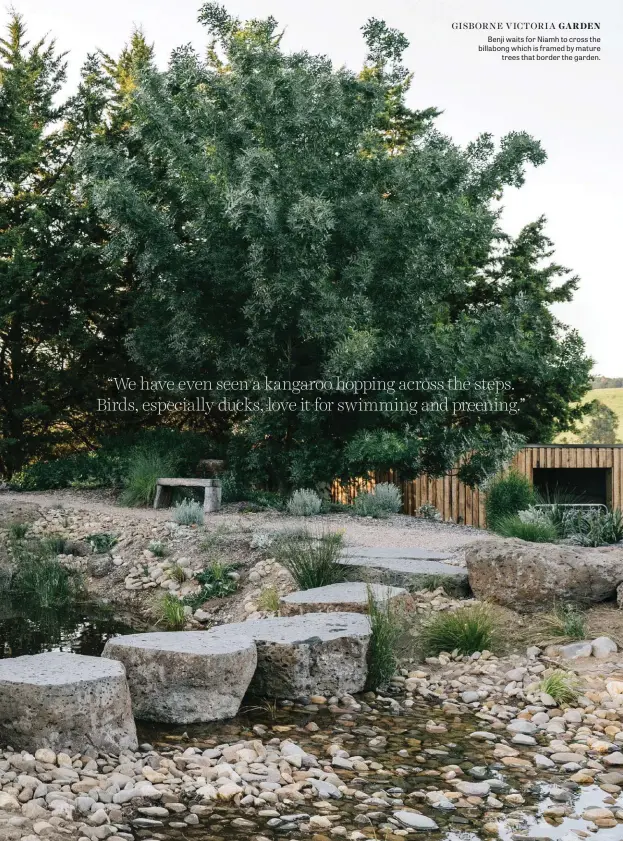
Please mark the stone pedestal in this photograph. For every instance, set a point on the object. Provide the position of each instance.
(212, 498)
(66, 702)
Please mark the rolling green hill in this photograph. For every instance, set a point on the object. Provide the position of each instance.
(613, 398)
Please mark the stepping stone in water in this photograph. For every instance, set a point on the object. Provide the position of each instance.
(66, 702)
(186, 676)
(350, 596)
(315, 654)
(410, 568)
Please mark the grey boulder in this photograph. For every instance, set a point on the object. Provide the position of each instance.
(186, 676)
(314, 654)
(65, 702)
(525, 576)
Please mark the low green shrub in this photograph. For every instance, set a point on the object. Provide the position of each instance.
(386, 631)
(535, 531)
(384, 499)
(157, 548)
(313, 561)
(429, 512)
(188, 513)
(562, 686)
(466, 630)
(265, 500)
(304, 503)
(56, 544)
(87, 469)
(18, 531)
(216, 582)
(101, 543)
(110, 464)
(507, 496)
(232, 488)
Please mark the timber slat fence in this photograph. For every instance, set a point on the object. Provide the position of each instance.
(456, 501)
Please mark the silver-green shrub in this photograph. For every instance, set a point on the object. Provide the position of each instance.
(304, 503)
(534, 515)
(381, 501)
(188, 513)
(429, 512)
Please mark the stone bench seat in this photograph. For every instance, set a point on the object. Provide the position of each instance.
(186, 676)
(315, 654)
(349, 596)
(211, 498)
(65, 702)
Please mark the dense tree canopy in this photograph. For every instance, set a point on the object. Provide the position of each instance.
(293, 221)
(63, 309)
(257, 214)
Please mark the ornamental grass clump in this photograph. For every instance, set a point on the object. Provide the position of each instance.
(592, 527)
(145, 467)
(39, 577)
(169, 611)
(386, 631)
(313, 561)
(465, 630)
(304, 503)
(565, 622)
(562, 686)
(384, 499)
(269, 600)
(534, 531)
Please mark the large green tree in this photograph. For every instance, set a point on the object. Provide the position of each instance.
(63, 309)
(293, 221)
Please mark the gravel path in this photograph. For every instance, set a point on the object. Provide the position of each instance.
(398, 531)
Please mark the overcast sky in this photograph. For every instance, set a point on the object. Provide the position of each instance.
(573, 108)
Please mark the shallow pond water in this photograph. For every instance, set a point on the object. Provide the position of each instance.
(408, 757)
(29, 628)
(410, 761)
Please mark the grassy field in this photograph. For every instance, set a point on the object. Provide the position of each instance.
(613, 398)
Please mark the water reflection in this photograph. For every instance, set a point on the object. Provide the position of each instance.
(28, 628)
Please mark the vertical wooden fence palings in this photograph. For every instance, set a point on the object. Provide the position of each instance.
(460, 503)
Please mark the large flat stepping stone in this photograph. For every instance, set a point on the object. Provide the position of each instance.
(186, 676)
(350, 596)
(66, 702)
(315, 654)
(410, 568)
(389, 553)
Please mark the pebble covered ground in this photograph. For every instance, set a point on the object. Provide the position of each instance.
(459, 744)
(456, 745)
